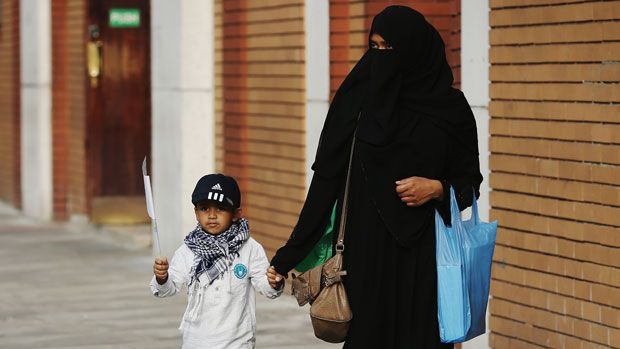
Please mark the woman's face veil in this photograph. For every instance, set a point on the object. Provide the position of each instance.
(418, 50)
(403, 28)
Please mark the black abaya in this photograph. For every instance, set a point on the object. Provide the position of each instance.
(411, 123)
(392, 288)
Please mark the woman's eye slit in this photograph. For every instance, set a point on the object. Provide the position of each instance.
(381, 46)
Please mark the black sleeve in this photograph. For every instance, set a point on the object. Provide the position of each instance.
(462, 174)
(313, 220)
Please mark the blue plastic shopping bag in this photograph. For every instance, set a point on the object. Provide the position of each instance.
(464, 257)
(478, 246)
(452, 299)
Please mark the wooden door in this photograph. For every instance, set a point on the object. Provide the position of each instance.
(119, 121)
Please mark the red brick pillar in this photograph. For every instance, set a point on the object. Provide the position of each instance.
(68, 107)
(235, 91)
(10, 181)
(339, 32)
(60, 114)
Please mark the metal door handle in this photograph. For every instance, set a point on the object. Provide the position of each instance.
(93, 61)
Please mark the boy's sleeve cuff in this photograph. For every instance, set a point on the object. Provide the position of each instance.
(279, 290)
(158, 289)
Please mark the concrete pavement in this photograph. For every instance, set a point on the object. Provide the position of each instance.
(68, 286)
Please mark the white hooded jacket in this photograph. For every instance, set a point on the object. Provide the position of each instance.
(222, 314)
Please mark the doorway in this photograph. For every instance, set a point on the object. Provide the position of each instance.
(118, 87)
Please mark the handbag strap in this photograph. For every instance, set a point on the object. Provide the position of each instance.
(345, 201)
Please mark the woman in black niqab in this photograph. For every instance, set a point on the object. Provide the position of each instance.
(416, 137)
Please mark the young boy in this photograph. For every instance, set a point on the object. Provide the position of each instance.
(218, 262)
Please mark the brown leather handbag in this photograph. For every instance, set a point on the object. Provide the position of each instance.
(322, 287)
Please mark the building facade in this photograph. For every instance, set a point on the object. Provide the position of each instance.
(555, 151)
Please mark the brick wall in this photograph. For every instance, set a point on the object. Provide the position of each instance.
(68, 107)
(346, 42)
(10, 189)
(555, 162)
(260, 110)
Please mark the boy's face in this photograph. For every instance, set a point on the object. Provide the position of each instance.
(215, 217)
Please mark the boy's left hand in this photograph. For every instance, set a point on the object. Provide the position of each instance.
(275, 280)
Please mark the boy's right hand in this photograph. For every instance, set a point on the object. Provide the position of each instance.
(160, 269)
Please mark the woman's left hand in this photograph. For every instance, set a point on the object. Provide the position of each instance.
(416, 191)
(275, 280)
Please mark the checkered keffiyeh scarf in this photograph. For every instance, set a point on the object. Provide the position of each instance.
(215, 253)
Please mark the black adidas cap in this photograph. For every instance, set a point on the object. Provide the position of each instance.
(217, 187)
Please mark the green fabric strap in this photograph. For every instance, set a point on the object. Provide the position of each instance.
(322, 251)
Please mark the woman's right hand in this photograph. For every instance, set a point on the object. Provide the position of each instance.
(275, 279)
(416, 191)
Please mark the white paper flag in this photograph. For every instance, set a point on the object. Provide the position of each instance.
(150, 207)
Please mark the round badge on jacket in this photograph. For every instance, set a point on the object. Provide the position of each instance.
(240, 271)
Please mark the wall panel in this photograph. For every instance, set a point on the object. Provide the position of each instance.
(555, 162)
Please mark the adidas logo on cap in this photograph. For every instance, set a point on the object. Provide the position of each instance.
(217, 187)
(215, 196)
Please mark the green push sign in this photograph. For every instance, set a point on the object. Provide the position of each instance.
(124, 17)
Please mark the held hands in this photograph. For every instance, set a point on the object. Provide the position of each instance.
(416, 191)
(276, 281)
(160, 269)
